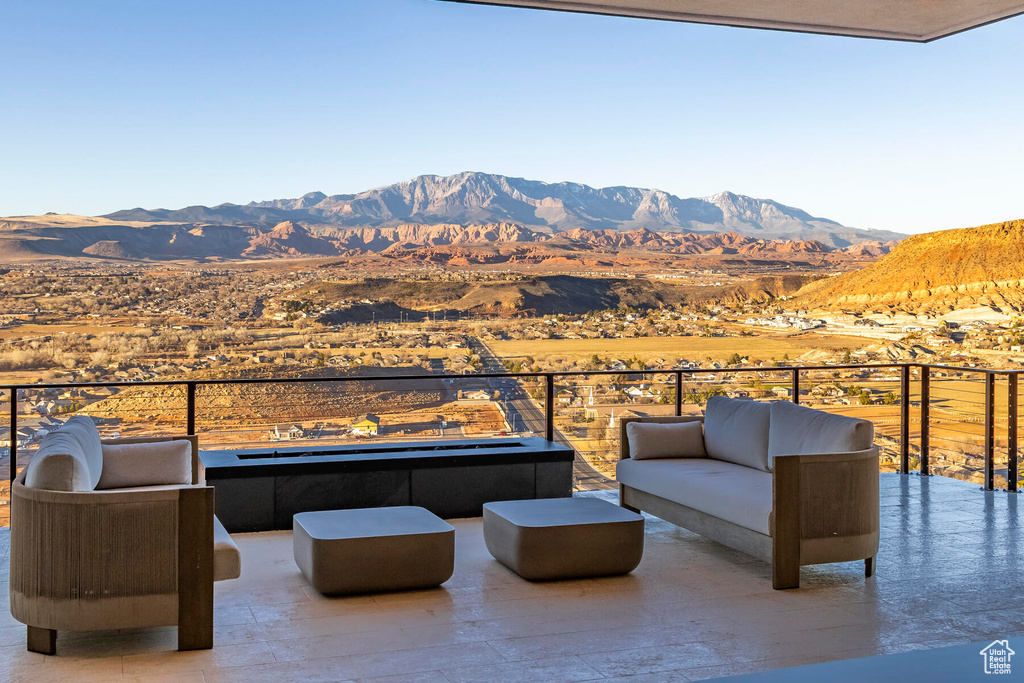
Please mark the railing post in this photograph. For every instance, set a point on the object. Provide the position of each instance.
(190, 409)
(795, 388)
(1011, 433)
(990, 430)
(926, 377)
(679, 393)
(549, 407)
(904, 419)
(13, 450)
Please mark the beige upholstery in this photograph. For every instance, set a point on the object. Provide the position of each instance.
(70, 459)
(146, 464)
(737, 431)
(59, 465)
(737, 494)
(83, 429)
(649, 440)
(227, 561)
(118, 558)
(796, 430)
(819, 503)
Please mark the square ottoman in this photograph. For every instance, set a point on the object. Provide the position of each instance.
(370, 550)
(563, 538)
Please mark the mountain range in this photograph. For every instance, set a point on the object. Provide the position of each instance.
(64, 236)
(482, 199)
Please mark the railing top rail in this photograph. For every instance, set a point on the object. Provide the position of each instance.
(960, 368)
(495, 375)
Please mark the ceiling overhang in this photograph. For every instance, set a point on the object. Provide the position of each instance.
(909, 20)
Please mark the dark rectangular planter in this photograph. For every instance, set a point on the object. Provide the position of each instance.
(260, 489)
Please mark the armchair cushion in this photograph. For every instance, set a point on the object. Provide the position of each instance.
(84, 430)
(799, 430)
(227, 561)
(737, 494)
(154, 463)
(649, 440)
(59, 465)
(736, 431)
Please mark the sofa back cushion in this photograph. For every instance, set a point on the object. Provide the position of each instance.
(648, 440)
(59, 465)
(83, 429)
(153, 463)
(798, 430)
(736, 431)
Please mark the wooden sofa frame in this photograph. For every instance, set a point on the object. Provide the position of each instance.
(824, 509)
(97, 560)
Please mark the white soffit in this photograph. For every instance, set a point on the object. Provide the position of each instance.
(910, 20)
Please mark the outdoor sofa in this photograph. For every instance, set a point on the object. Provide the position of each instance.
(115, 534)
(784, 483)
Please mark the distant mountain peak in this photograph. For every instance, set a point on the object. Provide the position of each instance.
(476, 198)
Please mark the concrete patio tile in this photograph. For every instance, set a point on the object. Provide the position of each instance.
(419, 661)
(948, 573)
(196, 660)
(420, 677)
(565, 669)
(655, 659)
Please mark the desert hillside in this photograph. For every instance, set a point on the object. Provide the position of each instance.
(529, 295)
(969, 273)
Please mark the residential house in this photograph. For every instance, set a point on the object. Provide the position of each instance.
(367, 425)
(286, 432)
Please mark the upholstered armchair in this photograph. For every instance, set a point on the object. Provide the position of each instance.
(115, 534)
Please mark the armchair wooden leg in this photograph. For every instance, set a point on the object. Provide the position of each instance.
(785, 575)
(196, 634)
(42, 640)
(869, 567)
(622, 491)
(195, 569)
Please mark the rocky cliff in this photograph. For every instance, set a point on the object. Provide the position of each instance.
(969, 273)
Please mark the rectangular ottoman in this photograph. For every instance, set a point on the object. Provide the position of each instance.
(369, 550)
(563, 538)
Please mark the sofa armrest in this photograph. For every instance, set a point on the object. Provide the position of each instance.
(825, 507)
(623, 422)
(198, 474)
(108, 545)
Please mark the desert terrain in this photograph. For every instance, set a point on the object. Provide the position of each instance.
(624, 303)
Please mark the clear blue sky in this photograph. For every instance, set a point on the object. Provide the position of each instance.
(111, 105)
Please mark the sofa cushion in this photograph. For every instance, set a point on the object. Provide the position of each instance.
(737, 431)
(227, 561)
(799, 430)
(146, 464)
(665, 440)
(59, 465)
(736, 493)
(84, 430)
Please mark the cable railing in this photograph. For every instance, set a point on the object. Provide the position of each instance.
(932, 419)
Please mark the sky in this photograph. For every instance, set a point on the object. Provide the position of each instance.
(110, 105)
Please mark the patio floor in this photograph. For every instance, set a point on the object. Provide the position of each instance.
(948, 573)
